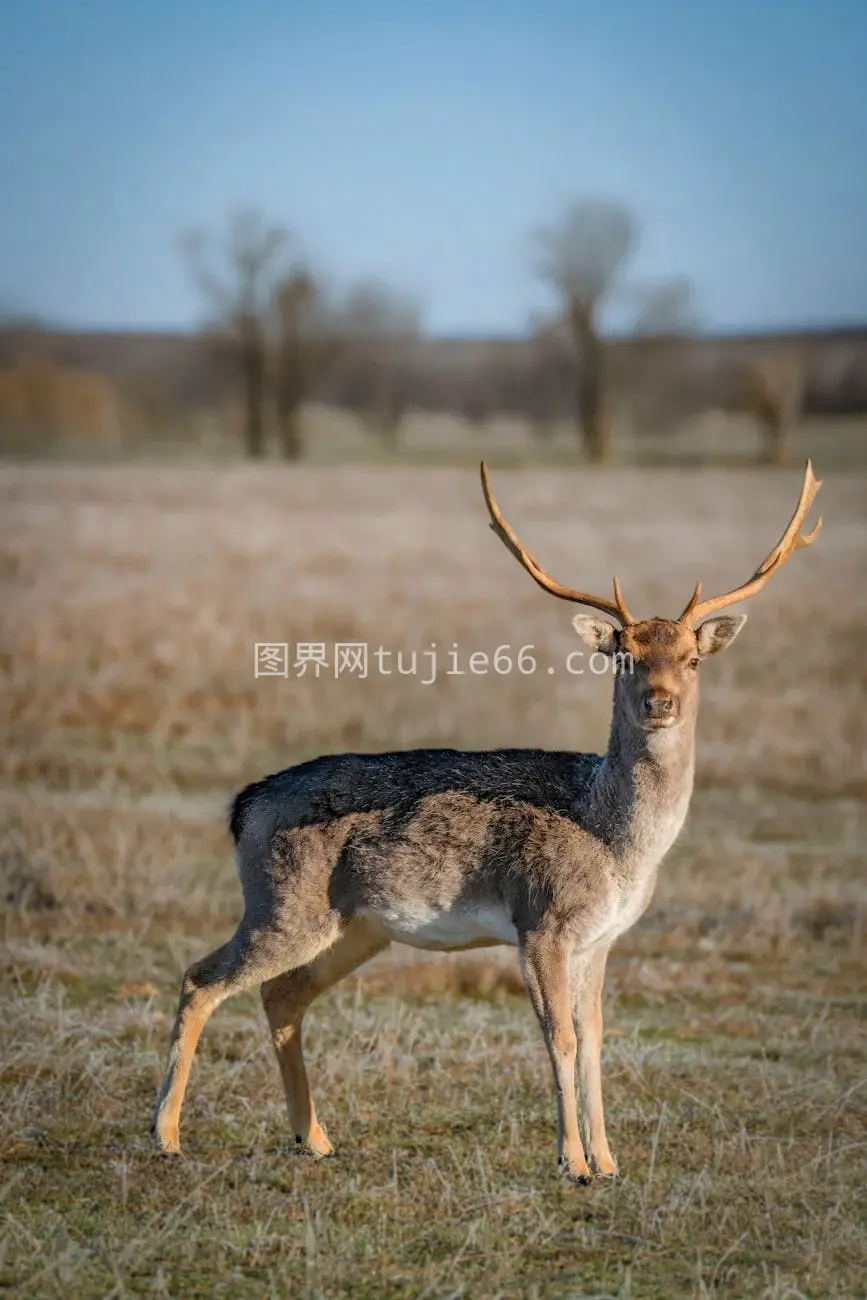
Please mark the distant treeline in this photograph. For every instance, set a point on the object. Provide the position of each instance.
(278, 336)
(472, 377)
(80, 383)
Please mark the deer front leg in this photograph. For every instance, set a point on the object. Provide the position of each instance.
(545, 966)
(285, 1011)
(587, 978)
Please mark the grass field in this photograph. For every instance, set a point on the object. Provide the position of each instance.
(735, 1065)
(426, 439)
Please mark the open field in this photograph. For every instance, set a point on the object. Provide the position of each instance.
(332, 437)
(736, 1055)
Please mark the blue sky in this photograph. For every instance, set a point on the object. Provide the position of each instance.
(421, 142)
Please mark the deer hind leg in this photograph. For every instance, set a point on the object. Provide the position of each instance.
(286, 1000)
(588, 975)
(545, 966)
(251, 956)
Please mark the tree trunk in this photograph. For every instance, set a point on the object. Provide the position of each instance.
(776, 438)
(291, 441)
(391, 423)
(597, 432)
(593, 427)
(254, 407)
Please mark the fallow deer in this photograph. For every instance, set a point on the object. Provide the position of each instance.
(554, 853)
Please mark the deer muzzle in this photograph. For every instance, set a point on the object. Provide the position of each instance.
(659, 707)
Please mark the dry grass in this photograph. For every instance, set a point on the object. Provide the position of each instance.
(736, 1053)
(333, 437)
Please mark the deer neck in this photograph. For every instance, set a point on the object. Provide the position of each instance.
(643, 789)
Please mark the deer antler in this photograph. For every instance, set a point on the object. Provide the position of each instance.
(792, 540)
(616, 608)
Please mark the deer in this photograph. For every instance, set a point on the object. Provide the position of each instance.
(553, 853)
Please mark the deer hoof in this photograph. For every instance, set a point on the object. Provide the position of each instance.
(316, 1148)
(166, 1146)
(580, 1175)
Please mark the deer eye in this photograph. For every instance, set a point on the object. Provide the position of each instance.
(694, 663)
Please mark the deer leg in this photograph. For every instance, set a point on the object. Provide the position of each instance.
(545, 966)
(250, 957)
(587, 978)
(286, 1000)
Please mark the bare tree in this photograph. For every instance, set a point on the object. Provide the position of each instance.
(582, 255)
(775, 382)
(307, 340)
(237, 276)
(381, 325)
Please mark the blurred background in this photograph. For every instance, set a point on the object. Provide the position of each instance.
(273, 278)
(553, 231)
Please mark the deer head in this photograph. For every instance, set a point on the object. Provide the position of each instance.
(656, 660)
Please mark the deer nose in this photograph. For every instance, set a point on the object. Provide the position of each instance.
(657, 704)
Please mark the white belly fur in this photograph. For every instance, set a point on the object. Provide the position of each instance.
(423, 926)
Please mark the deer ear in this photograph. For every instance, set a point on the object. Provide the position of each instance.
(718, 633)
(596, 632)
